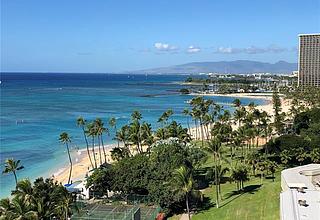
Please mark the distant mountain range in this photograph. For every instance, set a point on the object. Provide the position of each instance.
(238, 66)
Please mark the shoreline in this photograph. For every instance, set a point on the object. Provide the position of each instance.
(267, 96)
(268, 106)
(82, 164)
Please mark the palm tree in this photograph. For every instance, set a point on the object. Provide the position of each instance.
(165, 116)
(161, 133)
(65, 139)
(63, 208)
(184, 183)
(6, 209)
(12, 166)
(113, 124)
(43, 208)
(200, 107)
(24, 190)
(251, 106)
(186, 112)
(146, 135)
(242, 134)
(239, 115)
(81, 122)
(123, 135)
(91, 130)
(136, 115)
(262, 167)
(278, 118)
(215, 147)
(99, 129)
(237, 103)
(265, 119)
(240, 175)
(236, 142)
(135, 135)
(135, 130)
(22, 209)
(194, 114)
(207, 119)
(294, 109)
(221, 172)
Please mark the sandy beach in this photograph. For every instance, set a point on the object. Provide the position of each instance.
(268, 107)
(81, 164)
(238, 95)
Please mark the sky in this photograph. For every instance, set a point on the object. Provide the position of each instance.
(117, 35)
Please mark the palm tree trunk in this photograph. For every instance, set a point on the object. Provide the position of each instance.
(15, 177)
(70, 172)
(104, 151)
(187, 203)
(216, 181)
(189, 131)
(219, 188)
(195, 123)
(201, 131)
(85, 137)
(94, 154)
(206, 129)
(99, 148)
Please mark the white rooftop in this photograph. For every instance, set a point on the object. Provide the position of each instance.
(291, 210)
(303, 178)
(298, 176)
(312, 34)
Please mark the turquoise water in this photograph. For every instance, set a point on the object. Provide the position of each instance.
(36, 108)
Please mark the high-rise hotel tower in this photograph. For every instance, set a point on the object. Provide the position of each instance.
(309, 60)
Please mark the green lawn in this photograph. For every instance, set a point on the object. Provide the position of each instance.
(256, 203)
(259, 202)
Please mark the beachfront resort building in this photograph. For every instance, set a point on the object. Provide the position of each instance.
(300, 196)
(309, 60)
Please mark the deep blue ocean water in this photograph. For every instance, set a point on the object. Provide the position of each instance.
(37, 107)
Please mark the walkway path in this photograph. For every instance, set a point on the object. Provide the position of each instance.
(184, 217)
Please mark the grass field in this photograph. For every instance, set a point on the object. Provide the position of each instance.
(256, 203)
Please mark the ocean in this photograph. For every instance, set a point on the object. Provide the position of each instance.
(37, 107)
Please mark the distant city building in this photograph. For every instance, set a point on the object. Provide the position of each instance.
(294, 74)
(309, 60)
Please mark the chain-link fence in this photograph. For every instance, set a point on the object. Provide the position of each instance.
(101, 211)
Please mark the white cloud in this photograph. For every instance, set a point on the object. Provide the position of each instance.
(227, 50)
(193, 49)
(251, 50)
(276, 49)
(165, 47)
